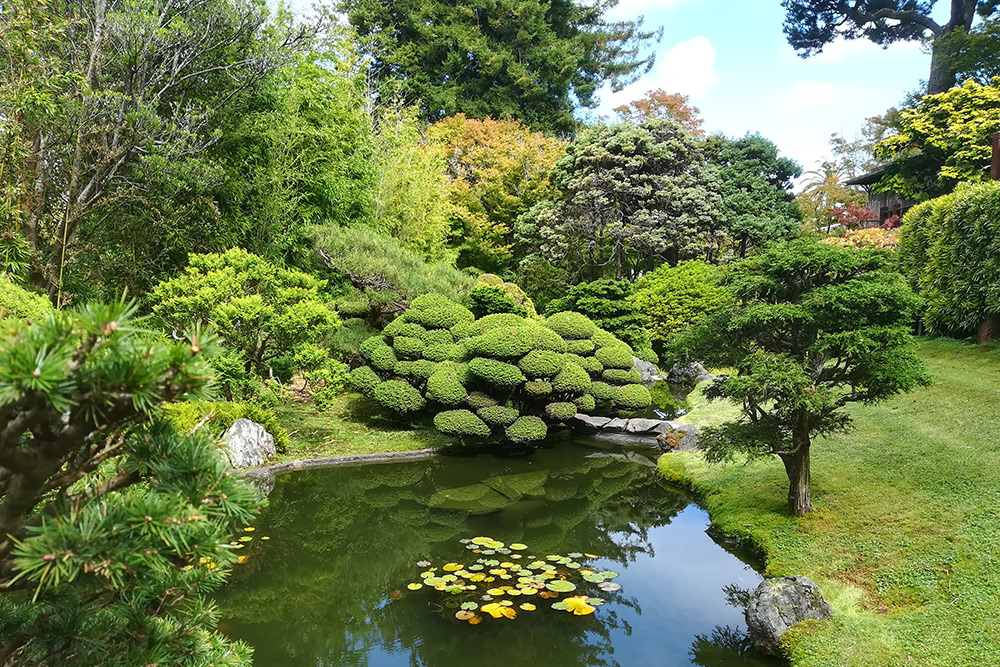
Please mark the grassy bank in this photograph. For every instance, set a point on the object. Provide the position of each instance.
(349, 426)
(905, 540)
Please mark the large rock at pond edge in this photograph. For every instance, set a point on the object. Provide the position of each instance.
(248, 444)
(690, 372)
(592, 422)
(648, 372)
(778, 604)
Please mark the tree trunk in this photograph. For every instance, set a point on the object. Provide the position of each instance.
(942, 76)
(797, 468)
(989, 329)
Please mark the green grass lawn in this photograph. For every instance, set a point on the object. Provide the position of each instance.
(905, 540)
(350, 426)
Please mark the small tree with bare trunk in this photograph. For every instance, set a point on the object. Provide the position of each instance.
(813, 328)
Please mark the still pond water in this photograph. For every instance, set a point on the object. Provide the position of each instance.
(318, 592)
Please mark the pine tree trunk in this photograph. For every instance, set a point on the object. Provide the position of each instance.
(942, 75)
(797, 469)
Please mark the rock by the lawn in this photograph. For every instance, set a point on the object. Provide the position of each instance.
(778, 604)
(648, 372)
(642, 425)
(248, 444)
(592, 422)
(616, 424)
(690, 372)
(689, 434)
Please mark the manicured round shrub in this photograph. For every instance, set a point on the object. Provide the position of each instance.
(632, 397)
(604, 339)
(400, 327)
(538, 388)
(486, 300)
(460, 369)
(585, 346)
(443, 352)
(542, 363)
(515, 340)
(602, 391)
(404, 369)
(621, 376)
(527, 429)
(424, 368)
(382, 357)
(461, 423)
(572, 379)
(589, 364)
(477, 400)
(437, 312)
(407, 347)
(571, 326)
(496, 372)
(398, 396)
(484, 324)
(444, 387)
(465, 329)
(560, 412)
(370, 344)
(618, 356)
(438, 337)
(364, 380)
(498, 415)
(585, 403)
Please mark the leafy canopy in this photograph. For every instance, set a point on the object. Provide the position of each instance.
(814, 327)
(115, 526)
(532, 60)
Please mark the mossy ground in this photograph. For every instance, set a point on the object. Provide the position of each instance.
(905, 539)
(351, 425)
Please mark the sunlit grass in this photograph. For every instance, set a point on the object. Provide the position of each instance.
(905, 540)
(350, 426)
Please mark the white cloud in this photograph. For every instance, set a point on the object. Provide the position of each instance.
(808, 95)
(843, 50)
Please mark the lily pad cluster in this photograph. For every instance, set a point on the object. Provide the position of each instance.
(500, 581)
(501, 377)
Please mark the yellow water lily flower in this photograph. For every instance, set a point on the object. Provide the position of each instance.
(578, 605)
(242, 559)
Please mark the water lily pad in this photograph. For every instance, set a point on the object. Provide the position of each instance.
(517, 546)
(481, 540)
(470, 606)
(414, 586)
(597, 602)
(495, 591)
(464, 540)
(488, 552)
(609, 586)
(609, 574)
(476, 567)
(527, 606)
(464, 615)
(593, 578)
(572, 565)
(527, 591)
(475, 620)
(578, 605)
(553, 557)
(506, 603)
(423, 563)
(575, 554)
(561, 586)
(561, 606)
(452, 567)
(591, 556)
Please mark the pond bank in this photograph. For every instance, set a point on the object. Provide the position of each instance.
(905, 540)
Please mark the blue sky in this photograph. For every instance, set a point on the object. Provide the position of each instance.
(732, 59)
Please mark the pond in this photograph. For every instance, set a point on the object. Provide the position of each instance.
(328, 587)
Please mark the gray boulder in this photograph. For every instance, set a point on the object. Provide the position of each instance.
(688, 372)
(248, 444)
(591, 422)
(778, 604)
(688, 436)
(649, 373)
(642, 425)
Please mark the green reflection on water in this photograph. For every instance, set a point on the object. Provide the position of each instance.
(342, 539)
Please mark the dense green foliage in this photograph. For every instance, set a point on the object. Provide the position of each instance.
(512, 373)
(491, 295)
(17, 302)
(265, 314)
(631, 197)
(607, 304)
(116, 523)
(526, 59)
(675, 298)
(814, 327)
(943, 141)
(947, 250)
(755, 185)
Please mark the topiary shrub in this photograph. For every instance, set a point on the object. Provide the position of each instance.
(510, 372)
(621, 376)
(560, 412)
(398, 396)
(571, 380)
(498, 415)
(542, 363)
(571, 326)
(496, 373)
(461, 423)
(632, 397)
(607, 304)
(364, 380)
(408, 348)
(527, 429)
(445, 388)
(538, 388)
(618, 356)
(585, 346)
(491, 295)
